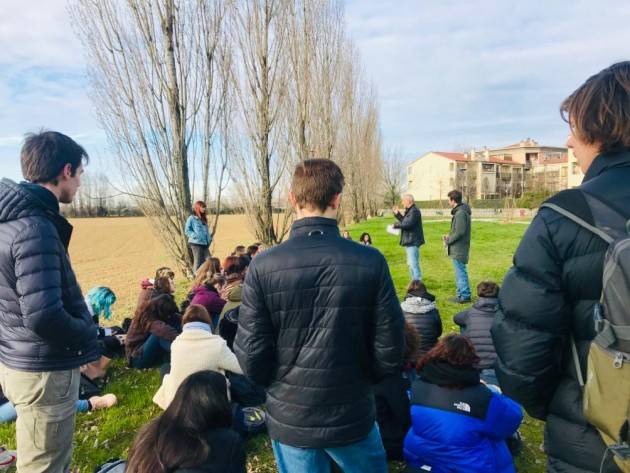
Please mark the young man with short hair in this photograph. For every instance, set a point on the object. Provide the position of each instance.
(458, 245)
(46, 331)
(319, 324)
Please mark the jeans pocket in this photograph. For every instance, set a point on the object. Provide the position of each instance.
(62, 383)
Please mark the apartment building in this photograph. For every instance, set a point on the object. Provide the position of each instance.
(491, 173)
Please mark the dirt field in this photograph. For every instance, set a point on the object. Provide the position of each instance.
(119, 252)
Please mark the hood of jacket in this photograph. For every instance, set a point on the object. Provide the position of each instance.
(417, 305)
(487, 304)
(461, 208)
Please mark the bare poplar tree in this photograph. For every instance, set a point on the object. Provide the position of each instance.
(152, 68)
(393, 177)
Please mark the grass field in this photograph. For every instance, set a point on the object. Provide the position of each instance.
(119, 252)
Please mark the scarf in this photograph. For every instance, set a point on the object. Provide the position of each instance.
(444, 374)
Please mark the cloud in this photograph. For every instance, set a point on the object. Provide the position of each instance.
(482, 73)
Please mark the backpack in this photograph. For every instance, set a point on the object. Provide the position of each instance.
(606, 389)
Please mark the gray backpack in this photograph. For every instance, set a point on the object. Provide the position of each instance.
(606, 396)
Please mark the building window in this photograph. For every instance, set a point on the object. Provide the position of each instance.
(564, 172)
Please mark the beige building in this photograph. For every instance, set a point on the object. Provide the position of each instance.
(575, 173)
(491, 173)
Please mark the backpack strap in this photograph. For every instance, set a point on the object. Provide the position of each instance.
(582, 223)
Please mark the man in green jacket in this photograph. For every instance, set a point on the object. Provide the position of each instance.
(458, 244)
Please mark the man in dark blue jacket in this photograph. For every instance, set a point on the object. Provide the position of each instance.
(411, 234)
(46, 331)
(319, 324)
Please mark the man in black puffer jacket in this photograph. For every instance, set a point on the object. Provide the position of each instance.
(475, 324)
(549, 294)
(46, 331)
(318, 325)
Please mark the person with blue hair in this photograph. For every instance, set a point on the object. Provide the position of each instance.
(99, 301)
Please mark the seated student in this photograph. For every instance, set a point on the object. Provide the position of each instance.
(475, 324)
(194, 433)
(94, 403)
(99, 301)
(203, 291)
(195, 349)
(240, 250)
(147, 286)
(392, 400)
(152, 330)
(420, 311)
(457, 423)
(365, 239)
(234, 273)
(252, 250)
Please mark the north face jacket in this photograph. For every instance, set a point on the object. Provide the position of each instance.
(319, 324)
(547, 298)
(44, 322)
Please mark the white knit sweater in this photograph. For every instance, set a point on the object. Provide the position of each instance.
(192, 351)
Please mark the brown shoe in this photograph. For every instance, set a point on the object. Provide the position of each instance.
(103, 402)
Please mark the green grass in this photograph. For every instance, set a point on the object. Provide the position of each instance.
(105, 434)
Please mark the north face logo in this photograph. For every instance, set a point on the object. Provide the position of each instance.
(462, 406)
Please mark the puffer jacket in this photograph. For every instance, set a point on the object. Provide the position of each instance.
(197, 231)
(410, 225)
(458, 243)
(44, 322)
(547, 298)
(476, 323)
(460, 430)
(318, 325)
(424, 316)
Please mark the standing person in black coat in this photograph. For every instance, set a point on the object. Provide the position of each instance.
(411, 234)
(420, 311)
(319, 324)
(46, 330)
(193, 435)
(549, 294)
(475, 324)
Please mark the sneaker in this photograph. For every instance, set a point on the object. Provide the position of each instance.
(103, 402)
(8, 458)
(459, 300)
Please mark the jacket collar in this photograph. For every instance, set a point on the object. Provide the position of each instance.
(308, 225)
(487, 304)
(407, 210)
(606, 161)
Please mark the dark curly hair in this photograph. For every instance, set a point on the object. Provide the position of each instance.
(453, 349)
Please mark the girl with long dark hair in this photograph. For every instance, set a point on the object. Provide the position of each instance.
(152, 330)
(199, 236)
(193, 433)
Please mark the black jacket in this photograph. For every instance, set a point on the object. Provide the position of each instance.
(410, 224)
(393, 413)
(476, 323)
(422, 313)
(44, 322)
(319, 324)
(227, 454)
(548, 297)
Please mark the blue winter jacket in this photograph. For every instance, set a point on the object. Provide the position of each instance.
(460, 430)
(197, 231)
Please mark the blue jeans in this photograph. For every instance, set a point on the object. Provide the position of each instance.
(461, 279)
(413, 261)
(8, 413)
(154, 352)
(364, 456)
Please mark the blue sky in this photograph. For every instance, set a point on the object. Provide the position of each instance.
(449, 74)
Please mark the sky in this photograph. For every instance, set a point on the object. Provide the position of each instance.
(449, 74)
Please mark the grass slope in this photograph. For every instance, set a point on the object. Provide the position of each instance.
(106, 434)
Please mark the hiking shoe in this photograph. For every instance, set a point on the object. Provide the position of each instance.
(8, 458)
(103, 402)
